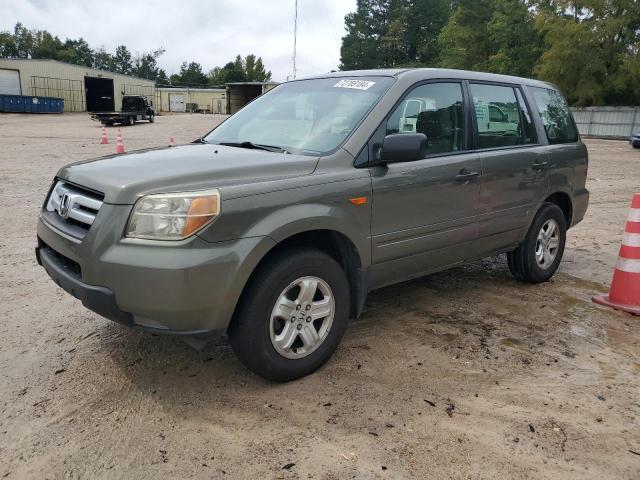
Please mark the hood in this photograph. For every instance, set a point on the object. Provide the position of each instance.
(123, 178)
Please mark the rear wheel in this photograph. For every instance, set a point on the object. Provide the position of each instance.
(151, 118)
(130, 121)
(292, 316)
(539, 255)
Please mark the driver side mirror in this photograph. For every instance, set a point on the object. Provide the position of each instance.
(403, 147)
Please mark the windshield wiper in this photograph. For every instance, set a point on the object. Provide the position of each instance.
(256, 146)
(199, 140)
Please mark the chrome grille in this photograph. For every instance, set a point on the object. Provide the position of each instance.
(73, 206)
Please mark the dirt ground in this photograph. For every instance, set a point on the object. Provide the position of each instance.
(463, 374)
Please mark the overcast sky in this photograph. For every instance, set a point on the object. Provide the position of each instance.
(210, 32)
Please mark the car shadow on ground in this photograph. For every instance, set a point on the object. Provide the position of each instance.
(477, 308)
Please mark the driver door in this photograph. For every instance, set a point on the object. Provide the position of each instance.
(424, 214)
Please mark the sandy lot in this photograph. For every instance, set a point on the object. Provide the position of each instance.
(463, 374)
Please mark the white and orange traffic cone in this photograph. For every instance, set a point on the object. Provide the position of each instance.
(119, 143)
(624, 293)
(172, 142)
(104, 140)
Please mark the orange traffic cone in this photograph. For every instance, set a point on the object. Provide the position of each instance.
(624, 293)
(104, 140)
(172, 142)
(119, 143)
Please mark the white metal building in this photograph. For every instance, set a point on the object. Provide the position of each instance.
(82, 88)
(185, 99)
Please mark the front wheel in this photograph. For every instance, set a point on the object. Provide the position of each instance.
(151, 119)
(539, 255)
(292, 315)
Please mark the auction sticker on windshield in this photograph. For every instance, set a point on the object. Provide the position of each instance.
(357, 84)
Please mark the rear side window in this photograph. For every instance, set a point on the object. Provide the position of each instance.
(555, 115)
(435, 109)
(502, 117)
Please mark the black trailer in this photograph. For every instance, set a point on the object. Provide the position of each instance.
(134, 108)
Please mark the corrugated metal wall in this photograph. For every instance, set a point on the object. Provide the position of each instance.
(211, 100)
(51, 78)
(607, 122)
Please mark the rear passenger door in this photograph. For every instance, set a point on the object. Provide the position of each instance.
(568, 158)
(514, 164)
(424, 211)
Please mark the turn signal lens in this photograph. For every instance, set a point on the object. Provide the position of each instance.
(358, 200)
(174, 216)
(201, 211)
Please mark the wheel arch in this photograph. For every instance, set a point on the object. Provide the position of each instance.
(563, 200)
(334, 243)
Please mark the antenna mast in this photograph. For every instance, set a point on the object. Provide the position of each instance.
(295, 37)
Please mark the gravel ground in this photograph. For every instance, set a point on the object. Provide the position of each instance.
(462, 374)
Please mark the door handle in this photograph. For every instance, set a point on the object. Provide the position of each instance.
(465, 175)
(540, 165)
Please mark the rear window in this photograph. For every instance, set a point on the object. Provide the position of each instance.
(556, 117)
(132, 103)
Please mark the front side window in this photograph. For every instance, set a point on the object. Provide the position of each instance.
(555, 115)
(311, 117)
(435, 109)
(499, 117)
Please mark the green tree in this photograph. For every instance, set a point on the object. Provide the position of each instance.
(591, 50)
(45, 45)
(103, 60)
(361, 46)
(23, 39)
(514, 42)
(145, 65)
(424, 21)
(254, 69)
(122, 60)
(491, 35)
(390, 33)
(248, 69)
(8, 47)
(77, 51)
(190, 74)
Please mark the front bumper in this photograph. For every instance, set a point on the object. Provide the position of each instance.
(188, 287)
(98, 299)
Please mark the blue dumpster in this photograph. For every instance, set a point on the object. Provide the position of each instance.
(28, 104)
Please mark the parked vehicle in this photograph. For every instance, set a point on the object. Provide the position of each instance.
(275, 225)
(134, 108)
(634, 141)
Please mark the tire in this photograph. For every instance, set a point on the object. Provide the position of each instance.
(151, 118)
(130, 121)
(254, 324)
(524, 263)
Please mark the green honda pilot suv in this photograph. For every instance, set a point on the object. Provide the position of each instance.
(274, 226)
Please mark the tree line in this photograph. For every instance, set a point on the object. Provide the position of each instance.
(588, 48)
(26, 43)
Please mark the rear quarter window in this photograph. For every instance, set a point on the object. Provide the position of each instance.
(556, 117)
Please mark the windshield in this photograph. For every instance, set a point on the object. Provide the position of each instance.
(311, 117)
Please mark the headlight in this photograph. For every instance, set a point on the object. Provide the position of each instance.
(173, 216)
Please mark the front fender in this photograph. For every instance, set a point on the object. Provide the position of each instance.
(284, 213)
(296, 219)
